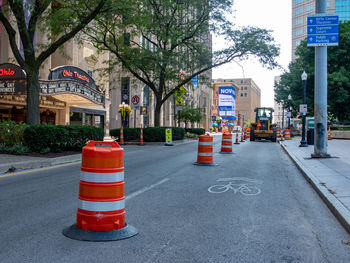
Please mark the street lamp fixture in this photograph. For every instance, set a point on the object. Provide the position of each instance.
(303, 142)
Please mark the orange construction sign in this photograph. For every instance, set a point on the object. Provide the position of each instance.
(259, 124)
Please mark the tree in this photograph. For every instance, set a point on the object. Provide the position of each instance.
(56, 21)
(189, 114)
(172, 36)
(338, 77)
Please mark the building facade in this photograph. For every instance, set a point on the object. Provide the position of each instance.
(302, 8)
(248, 97)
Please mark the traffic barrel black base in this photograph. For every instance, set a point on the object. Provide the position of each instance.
(76, 233)
(205, 164)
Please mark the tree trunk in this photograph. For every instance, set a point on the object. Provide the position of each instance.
(33, 93)
(157, 114)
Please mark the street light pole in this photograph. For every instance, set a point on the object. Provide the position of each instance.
(303, 142)
(289, 111)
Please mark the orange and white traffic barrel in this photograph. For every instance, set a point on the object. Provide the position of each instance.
(287, 134)
(248, 133)
(101, 206)
(242, 136)
(205, 150)
(226, 144)
(121, 142)
(329, 133)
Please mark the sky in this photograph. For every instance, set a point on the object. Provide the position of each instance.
(273, 15)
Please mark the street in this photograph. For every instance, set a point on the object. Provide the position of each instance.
(264, 211)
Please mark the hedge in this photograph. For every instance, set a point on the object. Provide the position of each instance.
(198, 131)
(11, 133)
(150, 134)
(56, 138)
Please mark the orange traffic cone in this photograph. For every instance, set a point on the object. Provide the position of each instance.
(237, 140)
(101, 209)
(121, 135)
(329, 133)
(141, 136)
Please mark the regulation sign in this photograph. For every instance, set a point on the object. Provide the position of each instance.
(135, 100)
(322, 30)
(303, 109)
(168, 137)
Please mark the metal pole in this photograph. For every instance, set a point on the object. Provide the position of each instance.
(282, 115)
(320, 144)
(303, 142)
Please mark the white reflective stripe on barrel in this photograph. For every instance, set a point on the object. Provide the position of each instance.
(227, 140)
(101, 206)
(101, 177)
(205, 143)
(226, 146)
(205, 154)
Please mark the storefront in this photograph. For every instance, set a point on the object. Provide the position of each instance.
(68, 89)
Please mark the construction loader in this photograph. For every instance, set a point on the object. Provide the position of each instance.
(263, 128)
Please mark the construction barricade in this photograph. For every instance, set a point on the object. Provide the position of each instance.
(141, 136)
(278, 133)
(226, 144)
(205, 150)
(101, 208)
(287, 134)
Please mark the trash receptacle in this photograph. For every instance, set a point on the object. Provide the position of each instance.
(310, 136)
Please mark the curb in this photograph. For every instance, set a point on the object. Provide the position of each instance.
(337, 207)
(45, 162)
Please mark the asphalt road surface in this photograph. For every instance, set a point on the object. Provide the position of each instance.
(262, 211)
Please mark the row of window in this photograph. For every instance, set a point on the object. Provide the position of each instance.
(308, 8)
(245, 94)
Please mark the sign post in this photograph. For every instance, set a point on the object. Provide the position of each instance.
(135, 100)
(168, 137)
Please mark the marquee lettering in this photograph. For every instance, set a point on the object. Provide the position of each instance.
(67, 73)
(77, 75)
(8, 72)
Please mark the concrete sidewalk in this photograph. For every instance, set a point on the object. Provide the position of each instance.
(329, 177)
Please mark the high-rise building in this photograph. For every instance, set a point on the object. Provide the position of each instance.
(302, 8)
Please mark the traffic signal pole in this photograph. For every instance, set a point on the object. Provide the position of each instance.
(320, 145)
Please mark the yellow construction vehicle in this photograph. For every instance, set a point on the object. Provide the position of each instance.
(263, 128)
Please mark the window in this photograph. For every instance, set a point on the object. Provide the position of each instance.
(241, 88)
(309, 8)
(298, 11)
(241, 94)
(297, 2)
(245, 94)
(297, 43)
(299, 32)
(245, 88)
(299, 21)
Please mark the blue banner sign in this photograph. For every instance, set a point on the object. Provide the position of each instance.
(322, 30)
(227, 103)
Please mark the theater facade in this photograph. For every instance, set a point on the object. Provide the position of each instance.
(69, 96)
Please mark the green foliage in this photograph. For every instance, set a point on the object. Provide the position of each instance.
(338, 78)
(189, 135)
(56, 138)
(175, 35)
(57, 21)
(11, 133)
(17, 149)
(198, 131)
(189, 114)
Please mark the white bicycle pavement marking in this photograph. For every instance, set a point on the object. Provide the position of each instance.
(246, 188)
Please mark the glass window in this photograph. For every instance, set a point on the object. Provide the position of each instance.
(245, 94)
(309, 8)
(298, 11)
(241, 94)
(297, 2)
(299, 21)
(299, 32)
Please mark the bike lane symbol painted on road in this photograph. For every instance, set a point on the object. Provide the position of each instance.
(245, 188)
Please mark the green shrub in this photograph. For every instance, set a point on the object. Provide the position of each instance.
(58, 138)
(19, 149)
(198, 131)
(11, 133)
(191, 135)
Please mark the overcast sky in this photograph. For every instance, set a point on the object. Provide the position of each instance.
(274, 15)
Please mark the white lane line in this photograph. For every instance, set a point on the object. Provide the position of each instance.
(146, 189)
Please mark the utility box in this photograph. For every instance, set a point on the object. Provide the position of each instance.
(310, 136)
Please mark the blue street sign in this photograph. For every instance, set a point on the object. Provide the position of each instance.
(322, 30)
